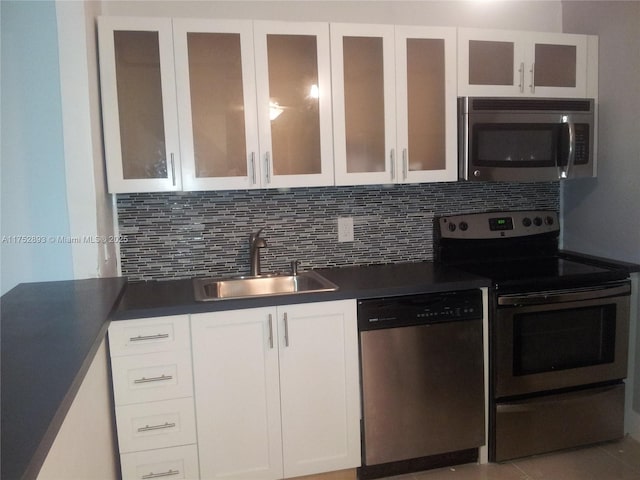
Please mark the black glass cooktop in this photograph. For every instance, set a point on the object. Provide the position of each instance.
(546, 272)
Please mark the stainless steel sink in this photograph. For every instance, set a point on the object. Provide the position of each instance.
(210, 289)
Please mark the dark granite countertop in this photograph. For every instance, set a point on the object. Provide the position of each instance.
(175, 297)
(50, 334)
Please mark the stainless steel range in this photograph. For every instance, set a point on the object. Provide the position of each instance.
(558, 327)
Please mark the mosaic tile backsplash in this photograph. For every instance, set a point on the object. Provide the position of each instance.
(180, 235)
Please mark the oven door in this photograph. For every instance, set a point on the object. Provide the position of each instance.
(559, 339)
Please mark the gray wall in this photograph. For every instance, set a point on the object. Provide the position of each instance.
(602, 216)
(538, 15)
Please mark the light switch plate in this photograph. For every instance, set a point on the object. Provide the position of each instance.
(345, 229)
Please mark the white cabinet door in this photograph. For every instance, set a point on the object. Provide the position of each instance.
(293, 84)
(427, 122)
(277, 390)
(215, 77)
(557, 65)
(139, 104)
(394, 104)
(363, 71)
(237, 394)
(513, 63)
(319, 387)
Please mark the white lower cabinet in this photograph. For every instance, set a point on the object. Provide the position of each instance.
(277, 390)
(153, 393)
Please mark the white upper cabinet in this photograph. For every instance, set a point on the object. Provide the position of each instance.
(393, 103)
(363, 103)
(140, 119)
(252, 101)
(215, 78)
(511, 63)
(427, 123)
(293, 84)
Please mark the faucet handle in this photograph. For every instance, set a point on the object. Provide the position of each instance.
(294, 267)
(254, 236)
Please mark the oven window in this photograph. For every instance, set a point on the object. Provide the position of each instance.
(513, 145)
(553, 340)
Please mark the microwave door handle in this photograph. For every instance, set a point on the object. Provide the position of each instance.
(572, 149)
(566, 153)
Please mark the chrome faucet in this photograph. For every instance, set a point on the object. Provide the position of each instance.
(255, 244)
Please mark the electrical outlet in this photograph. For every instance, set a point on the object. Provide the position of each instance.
(345, 229)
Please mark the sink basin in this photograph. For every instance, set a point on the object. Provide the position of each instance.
(209, 289)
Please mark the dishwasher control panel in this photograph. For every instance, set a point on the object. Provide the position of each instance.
(409, 310)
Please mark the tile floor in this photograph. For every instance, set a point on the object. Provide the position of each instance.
(609, 461)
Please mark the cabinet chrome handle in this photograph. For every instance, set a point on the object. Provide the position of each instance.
(148, 428)
(173, 170)
(168, 473)
(267, 159)
(286, 330)
(405, 164)
(521, 71)
(253, 167)
(270, 331)
(142, 338)
(392, 158)
(533, 78)
(161, 378)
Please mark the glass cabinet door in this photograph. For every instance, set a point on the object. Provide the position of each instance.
(394, 103)
(294, 103)
(217, 108)
(426, 104)
(138, 103)
(558, 65)
(490, 62)
(364, 103)
(508, 63)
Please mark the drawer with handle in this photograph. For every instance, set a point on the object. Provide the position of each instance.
(171, 463)
(151, 425)
(152, 377)
(158, 334)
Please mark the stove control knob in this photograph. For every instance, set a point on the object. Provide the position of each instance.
(464, 226)
(537, 221)
(452, 227)
(548, 220)
(526, 221)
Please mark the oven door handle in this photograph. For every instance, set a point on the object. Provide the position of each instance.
(541, 298)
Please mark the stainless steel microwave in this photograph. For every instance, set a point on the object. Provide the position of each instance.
(525, 140)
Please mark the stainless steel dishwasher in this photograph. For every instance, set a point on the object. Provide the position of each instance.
(422, 381)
